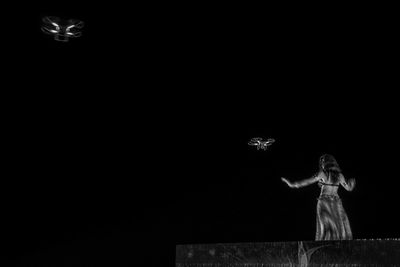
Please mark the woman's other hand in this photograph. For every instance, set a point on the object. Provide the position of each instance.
(287, 182)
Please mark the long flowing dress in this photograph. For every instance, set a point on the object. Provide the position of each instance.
(332, 220)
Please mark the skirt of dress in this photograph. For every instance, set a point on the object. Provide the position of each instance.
(332, 221)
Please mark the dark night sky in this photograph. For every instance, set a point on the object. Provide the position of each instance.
(133, 138)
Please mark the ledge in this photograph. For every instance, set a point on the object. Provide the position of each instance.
(377, 252)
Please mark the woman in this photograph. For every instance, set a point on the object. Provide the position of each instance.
(332, 221)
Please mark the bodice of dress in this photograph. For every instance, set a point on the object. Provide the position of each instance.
(327, 188)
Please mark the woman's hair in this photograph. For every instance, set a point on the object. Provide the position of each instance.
(329, 165)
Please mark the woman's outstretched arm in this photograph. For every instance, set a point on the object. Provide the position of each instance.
(349, 184)
(302, 183)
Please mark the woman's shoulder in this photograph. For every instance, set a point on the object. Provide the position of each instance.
(321, 176)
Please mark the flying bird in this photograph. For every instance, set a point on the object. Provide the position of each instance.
(260, 144)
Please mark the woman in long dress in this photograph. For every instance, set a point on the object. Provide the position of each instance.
(332, 220)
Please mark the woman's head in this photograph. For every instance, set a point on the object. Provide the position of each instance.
(328, 163)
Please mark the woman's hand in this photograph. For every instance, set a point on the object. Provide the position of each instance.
(352, 184)
(288, 182)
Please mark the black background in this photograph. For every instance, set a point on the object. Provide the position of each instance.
(122, 143)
